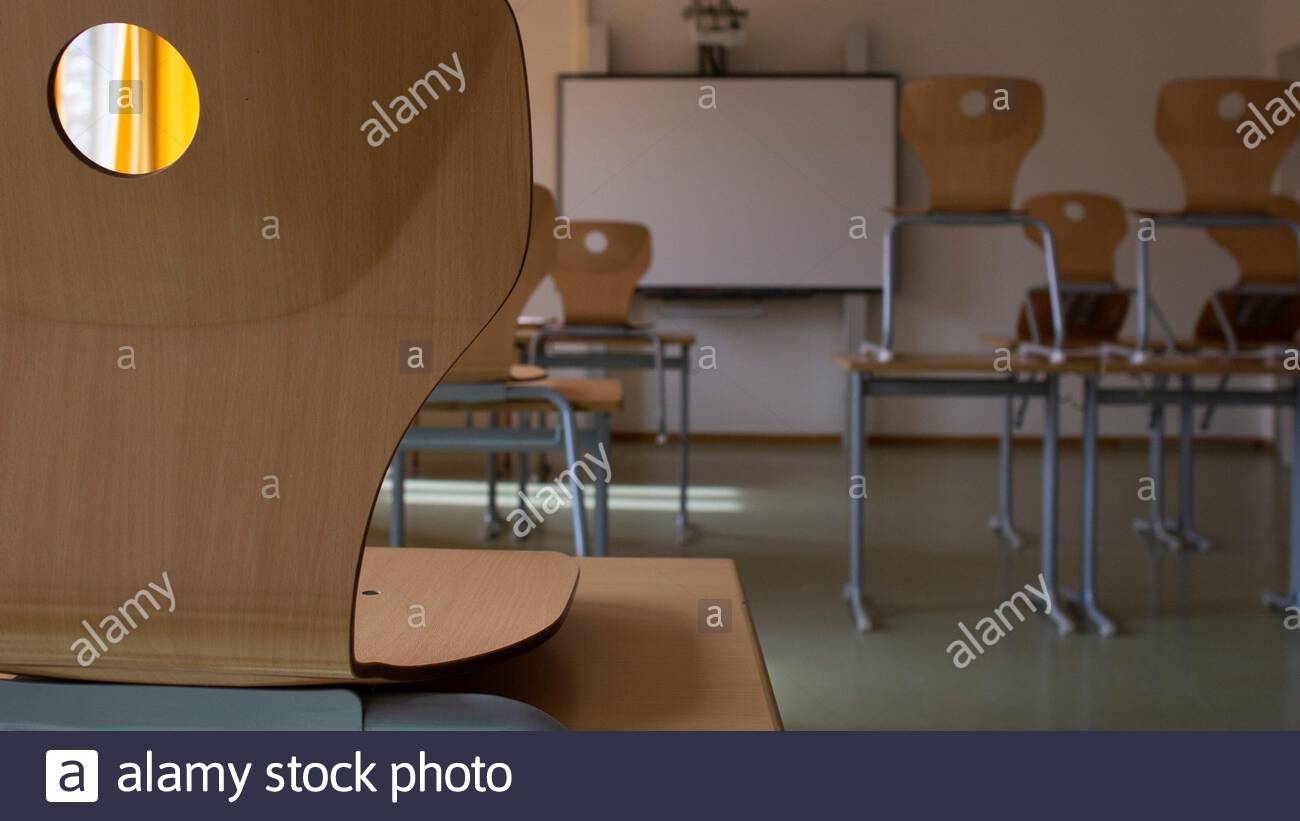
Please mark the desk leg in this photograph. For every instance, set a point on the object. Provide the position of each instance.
(853, 590)
(521, 458)
(600, 530)
(1088, 595)
(397, 508)
(1186, 453)
(1051, 502)
(1001, 523)
(1155, 525)
(491, 517)
(1292, 596)
(684, 530)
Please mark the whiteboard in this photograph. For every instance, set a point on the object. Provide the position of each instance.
(746, 183)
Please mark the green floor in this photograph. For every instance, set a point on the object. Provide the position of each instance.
(1197, 651)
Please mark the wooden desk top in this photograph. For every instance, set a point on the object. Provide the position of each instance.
(524, 336)
(586, 395)
(630, 655)
(959, 363)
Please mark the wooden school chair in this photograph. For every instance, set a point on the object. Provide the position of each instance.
(1202, 125)
(487, 379)
(971, 135)
(245, 394)
(597, 268)
(1260, 313)
(1227, 184)
(1087, 229)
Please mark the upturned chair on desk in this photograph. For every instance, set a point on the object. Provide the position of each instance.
(971, 134)
(239, 457)
(1228, 189)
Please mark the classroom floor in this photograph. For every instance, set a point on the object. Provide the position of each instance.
(1196, 652)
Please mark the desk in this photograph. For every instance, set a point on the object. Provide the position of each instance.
(1186, 368)
(960, 374)
(630, 655)
(624, 349)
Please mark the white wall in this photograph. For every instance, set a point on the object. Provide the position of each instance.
(1101, 63)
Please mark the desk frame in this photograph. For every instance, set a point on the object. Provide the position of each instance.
(1187, 397)
(862, 385)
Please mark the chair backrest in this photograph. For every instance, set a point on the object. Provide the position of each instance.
(597, 268)
(972, 134)
(1206, 126)
(1087, 230)
(493, 355)
(193, 405)
(1265, 255)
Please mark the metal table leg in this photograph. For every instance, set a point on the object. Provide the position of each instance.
(857, 423)
(1292, 596)
(684, 530)
(1051, 502)
(1186, 433)
(1155, 525)
(491, 516)
(397, 508)
(1001, 522)
(600, 529)
(1088, 592)
(521, 458)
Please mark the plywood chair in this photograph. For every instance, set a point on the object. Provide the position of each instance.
(189, 402)
(1088, 229)
(1262, 308)
(972, 135)
(1205, 124)
(597, 270)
